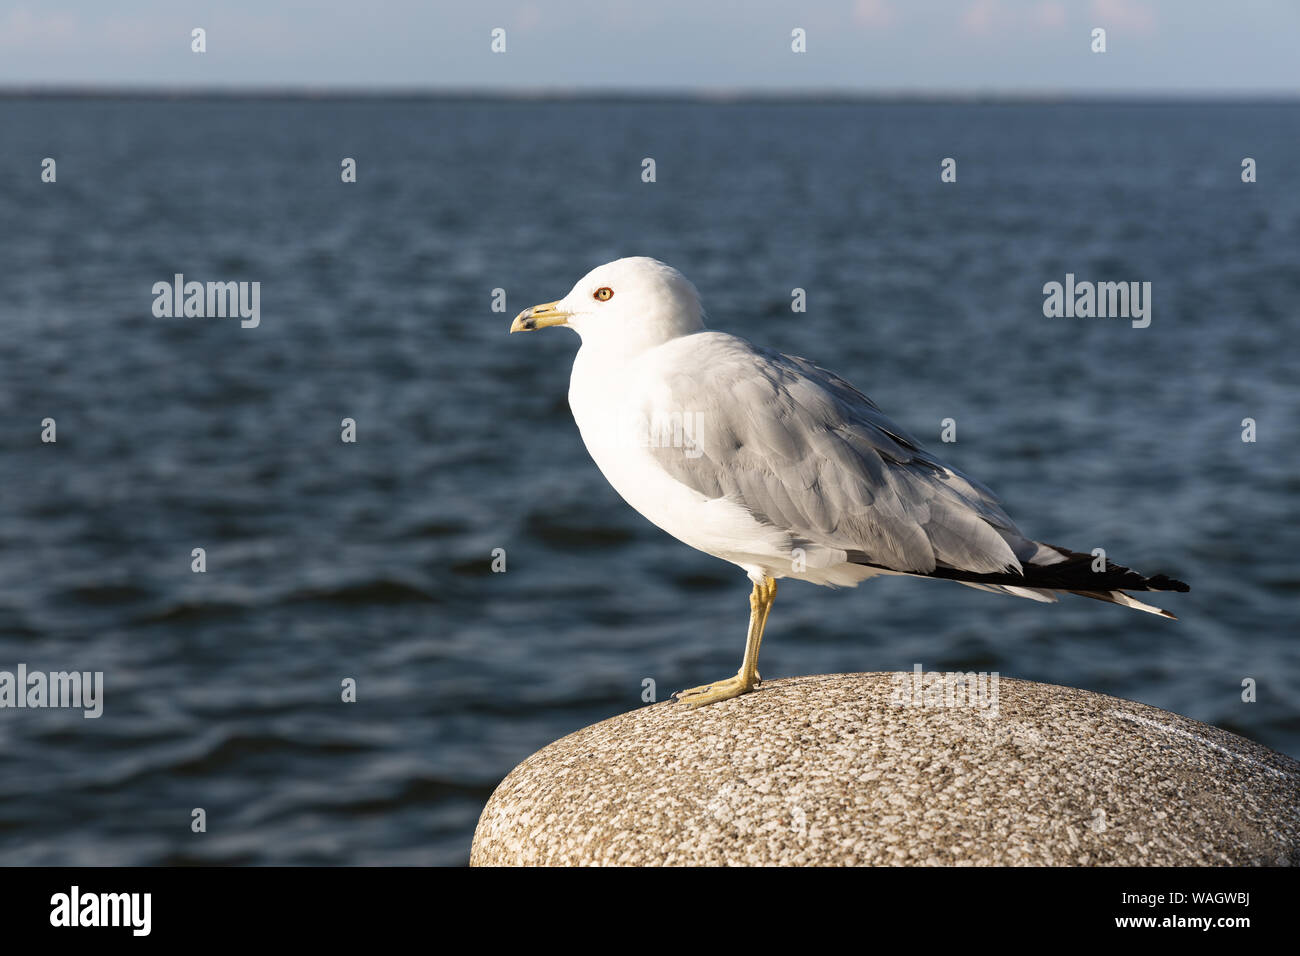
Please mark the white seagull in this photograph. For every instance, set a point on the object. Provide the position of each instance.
(779, 466)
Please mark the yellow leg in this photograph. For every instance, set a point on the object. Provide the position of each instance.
(746, 679)
(762, 625)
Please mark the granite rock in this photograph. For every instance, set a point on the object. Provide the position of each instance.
(832, 770)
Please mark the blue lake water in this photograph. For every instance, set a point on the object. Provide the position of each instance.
(372, 560)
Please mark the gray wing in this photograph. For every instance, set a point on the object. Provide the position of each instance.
(806, 452)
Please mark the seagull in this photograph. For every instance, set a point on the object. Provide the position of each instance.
(781, 467)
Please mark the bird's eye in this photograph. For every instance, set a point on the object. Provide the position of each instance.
(603, 294)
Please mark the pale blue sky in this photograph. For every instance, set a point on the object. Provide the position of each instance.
(863, 46)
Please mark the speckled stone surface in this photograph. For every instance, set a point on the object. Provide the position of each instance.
(827, 770)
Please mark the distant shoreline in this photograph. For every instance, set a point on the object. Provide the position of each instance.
(710, 97)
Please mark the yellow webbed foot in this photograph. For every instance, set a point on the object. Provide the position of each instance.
(718, 690)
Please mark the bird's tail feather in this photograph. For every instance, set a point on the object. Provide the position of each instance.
(1119, 597)
(1048, 570)
(1034, 594)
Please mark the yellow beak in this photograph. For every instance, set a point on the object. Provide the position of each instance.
(539, 317)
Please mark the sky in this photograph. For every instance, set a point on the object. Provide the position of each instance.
(880, 47)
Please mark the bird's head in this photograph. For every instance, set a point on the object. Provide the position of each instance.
(628, 305)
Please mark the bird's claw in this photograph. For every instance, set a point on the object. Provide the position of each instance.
(718, 690)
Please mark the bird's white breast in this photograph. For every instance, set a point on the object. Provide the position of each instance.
(610, 399)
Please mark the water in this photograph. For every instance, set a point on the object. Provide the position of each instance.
(371, 560)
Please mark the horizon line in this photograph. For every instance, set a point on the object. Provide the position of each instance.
(702, 95)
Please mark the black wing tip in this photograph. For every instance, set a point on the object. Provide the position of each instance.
(1121, 578)
(1163, 582)
(1073, 574)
